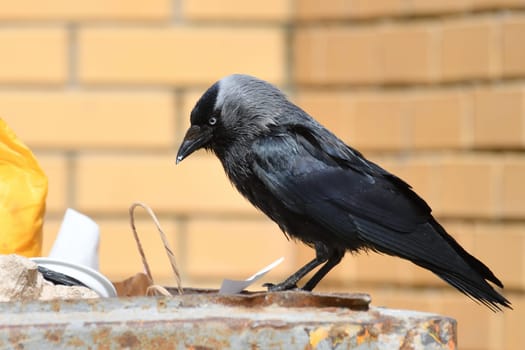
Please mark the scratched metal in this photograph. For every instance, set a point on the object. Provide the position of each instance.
(205, 320)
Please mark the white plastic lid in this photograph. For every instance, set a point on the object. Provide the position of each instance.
(91, 278)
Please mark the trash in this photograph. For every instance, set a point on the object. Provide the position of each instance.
(21, 281)
(20, 278)
(234, 287)
(23, 191)
(77, 240)
(154, 289)
(75, 255)
(142, 283)
(51, 292)
(91, 278)
(59, 278)
(134, 286)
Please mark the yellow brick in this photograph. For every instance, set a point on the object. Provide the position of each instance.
(380, 123)
(436, 120)
(110, 183)
(513, 51)
(365, 8)
(334, 110)
(420, 173)
(501, 248)
(179, 55)
(33, 55)
(499, 117)
(495, 4)
(407, 54)
(407, 299)
(337, 9)
(319, 9)
(378, 268)
(236, 10)
(336, 55)
(50, 230)
(91, 119)
(55, 168)
(513, 337)
(464, 232)
(467, 187)
(85, 10)
(119, 255)
(513, 191)
(478, 328)
(468, 50)
(444, 6)
(219, 249)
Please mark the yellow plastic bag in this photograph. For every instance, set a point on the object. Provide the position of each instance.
(23, 191)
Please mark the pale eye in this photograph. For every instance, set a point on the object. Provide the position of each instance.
(212, 121)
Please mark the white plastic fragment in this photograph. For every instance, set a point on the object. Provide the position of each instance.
(234, 287)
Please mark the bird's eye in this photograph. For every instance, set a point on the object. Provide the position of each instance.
(212, 121)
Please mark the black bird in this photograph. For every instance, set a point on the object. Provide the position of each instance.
(321, 191)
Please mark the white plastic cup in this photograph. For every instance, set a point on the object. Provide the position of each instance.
(77, 240)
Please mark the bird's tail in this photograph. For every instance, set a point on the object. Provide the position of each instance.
(480, 291)
(432, 248)
(472, 279)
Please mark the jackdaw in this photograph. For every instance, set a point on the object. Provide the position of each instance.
(320, 190)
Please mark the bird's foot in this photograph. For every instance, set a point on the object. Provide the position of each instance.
(280, 286)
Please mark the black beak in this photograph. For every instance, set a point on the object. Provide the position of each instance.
(195, 138)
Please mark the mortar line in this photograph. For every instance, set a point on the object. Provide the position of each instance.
(72, 55)
(71, 179)
(176, 15)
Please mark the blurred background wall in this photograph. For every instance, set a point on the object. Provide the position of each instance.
(432, 90)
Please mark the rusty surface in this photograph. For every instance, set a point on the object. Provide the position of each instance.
(205, 320)
(354, 301)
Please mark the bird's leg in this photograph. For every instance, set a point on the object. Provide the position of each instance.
(333, 260)
(291, 282)
(321, 255)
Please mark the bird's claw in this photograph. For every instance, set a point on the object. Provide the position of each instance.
(279, 287)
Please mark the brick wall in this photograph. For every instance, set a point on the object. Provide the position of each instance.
(432, 90)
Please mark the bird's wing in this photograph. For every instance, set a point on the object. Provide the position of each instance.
(341, 192)
(352, 202)
(383, 209)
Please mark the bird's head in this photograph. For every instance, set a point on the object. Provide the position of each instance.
(236, 109)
